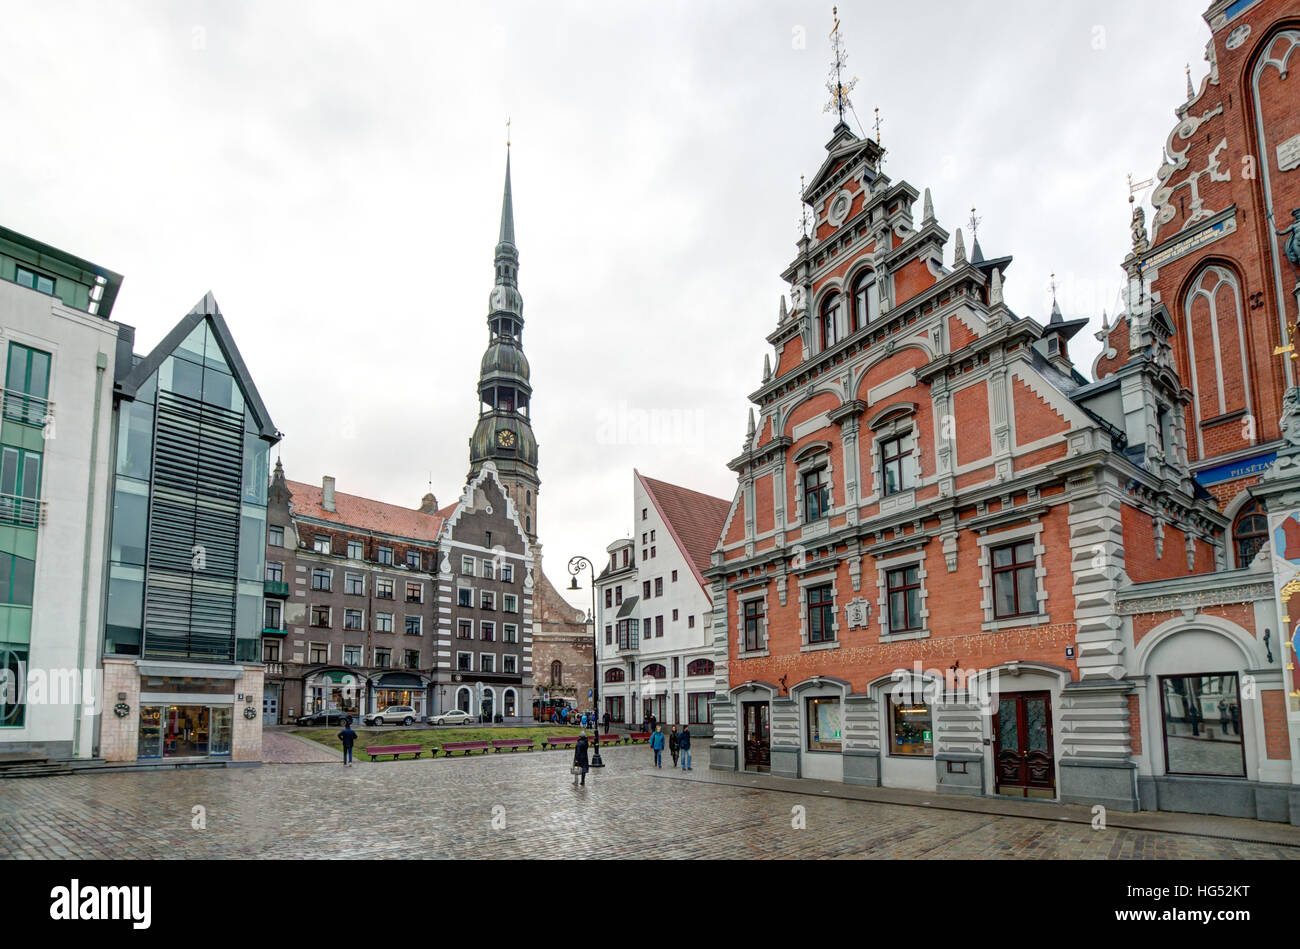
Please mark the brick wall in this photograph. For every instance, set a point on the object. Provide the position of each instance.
(1277, 743)
(1135, 725)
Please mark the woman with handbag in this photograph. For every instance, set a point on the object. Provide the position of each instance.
(580, 766)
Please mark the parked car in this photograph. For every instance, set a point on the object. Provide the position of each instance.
(393, 715)
(453, 717)
(326, 718)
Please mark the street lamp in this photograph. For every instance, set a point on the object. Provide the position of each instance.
(576, 566)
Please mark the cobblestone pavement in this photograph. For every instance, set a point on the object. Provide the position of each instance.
(282, 748)
(446, 808)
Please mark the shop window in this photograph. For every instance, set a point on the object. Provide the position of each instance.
(825, 724)
(904, 588)
(821, 614)
(1015, 586)
(1249, 532)
(1202, 725)
(698, 709)
(13, 705)
(911, 729)
(816, 494)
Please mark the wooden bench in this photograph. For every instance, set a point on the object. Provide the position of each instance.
(514, 744)
(610, 739)
(560, 742)
(465, 746)
(374, 751)
(639, 736)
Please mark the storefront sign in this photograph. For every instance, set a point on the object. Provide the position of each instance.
(1182, 248)
(1236, 469)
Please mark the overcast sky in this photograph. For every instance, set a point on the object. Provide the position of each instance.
(333, 171)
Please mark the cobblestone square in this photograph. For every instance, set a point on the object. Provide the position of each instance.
(523, 805)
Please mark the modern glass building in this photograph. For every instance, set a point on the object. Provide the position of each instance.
(187, 555)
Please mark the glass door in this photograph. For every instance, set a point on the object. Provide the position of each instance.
(1024, 761)
(758, 737)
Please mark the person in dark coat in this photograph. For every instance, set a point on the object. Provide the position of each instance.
(349, 738)
(684, 744)
(580, 759)
(607, 721)
(673, 739)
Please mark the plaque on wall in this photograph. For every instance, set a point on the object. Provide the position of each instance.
(1288, 154)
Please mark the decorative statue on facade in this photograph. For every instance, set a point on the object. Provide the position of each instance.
(1292, 246)
(1139, 226)
(1291, 416)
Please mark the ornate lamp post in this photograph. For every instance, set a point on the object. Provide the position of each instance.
(576, 566)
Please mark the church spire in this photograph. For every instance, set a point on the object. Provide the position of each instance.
(507, 209)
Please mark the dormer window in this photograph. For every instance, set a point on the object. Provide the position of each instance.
(1053, 345)
(830, 321)
(866, 300)
(816, 494)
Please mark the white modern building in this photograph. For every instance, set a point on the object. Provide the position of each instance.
(56, 419)
(654, 646)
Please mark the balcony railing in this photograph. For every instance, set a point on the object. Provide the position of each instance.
(20, 511)
(28, 409)
(274, 668)
(279, 588)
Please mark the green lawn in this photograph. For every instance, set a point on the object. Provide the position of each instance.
(429, 737)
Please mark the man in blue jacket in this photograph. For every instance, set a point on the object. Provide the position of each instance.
(657, 744)
(684, 743)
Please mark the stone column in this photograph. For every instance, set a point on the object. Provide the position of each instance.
(862, 741)
(724, 749)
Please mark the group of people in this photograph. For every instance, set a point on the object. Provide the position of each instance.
(678, 742)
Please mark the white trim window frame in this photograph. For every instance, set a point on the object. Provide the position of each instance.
(1002, 538)
(468, 565)
(805, 465)
(805, 584)
(910, 558)
(468, 668)
(754, 596)
(462, 588)
(901, 425)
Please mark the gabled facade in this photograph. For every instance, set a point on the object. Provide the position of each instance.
(948, 554)
(654, 642)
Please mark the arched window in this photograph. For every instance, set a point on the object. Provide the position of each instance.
(700, 667)
(462, 699)
(866, 299)
(1249, 531)
(830, 321)
(615, 675)
(557, 673)
(655, 670)
(508, 703)
(1216, 353)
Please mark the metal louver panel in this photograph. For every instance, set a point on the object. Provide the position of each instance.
(193, 530)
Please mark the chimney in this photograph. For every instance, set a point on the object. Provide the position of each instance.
(428, 504)
(327, 493)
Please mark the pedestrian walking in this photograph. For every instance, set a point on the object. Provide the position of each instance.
(580, 764)
(607, 720)
(349, 738)
(674, 746)
(653, 724)
(684, 743)
(657, 744)
(1225, 718)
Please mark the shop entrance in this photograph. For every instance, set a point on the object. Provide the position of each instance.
(184, 731)
(1024, 761)
(758, 737)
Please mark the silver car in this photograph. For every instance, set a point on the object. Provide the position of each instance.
(392, 715)
(453, 717)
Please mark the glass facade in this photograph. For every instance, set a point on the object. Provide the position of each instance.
(911, 729)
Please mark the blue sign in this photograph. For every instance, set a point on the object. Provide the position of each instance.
(1236, 469)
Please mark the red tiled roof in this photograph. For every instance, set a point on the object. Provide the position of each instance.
(695, 520)
(366, 513)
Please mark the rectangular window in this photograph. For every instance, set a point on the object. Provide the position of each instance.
(351, 655)
(320, 579)
(510, 664)
(489, 570)
(412, 658)
(414, 625)
(383, 658)
(487, 600)
(652, 552)
(320, 616)
(645, 589)
(659, 586)
(816, 495)
(1202, 724)
(690, 621)
(646, 629)
(753, 625)
(825, 724)
(270, 650)
(507, 573)
(351, 619)
(465, 629)
(464, 596)
(275, 536)
(674, 616)
(487, 631)
(510, 603)
(467, 566)
(271, 614)
(821, 614)
(697, 708)
(904, 588)
(384, 588)
(896, 464)
(674, 576)
(609, 597)
(509, 633)
(659, 626)
(413, 559)
(618, 595)
(415, 593)
(34, 280)
(1015, 588)
(355, 550)
(677, 668)
(487, 663)
(609, 634)
(321, 544)
(383, 622)
(319, 653)
(384, 555)
(465, 662)
(911, 729)
(274, 571)
(354, 584)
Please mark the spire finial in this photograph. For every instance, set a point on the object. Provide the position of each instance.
(958, 249)
(1056, 307)
(803, 209)
(927, 207)
(974, 224)
(507, 133)
(838, 87)
(1190, 93)
(877, 125)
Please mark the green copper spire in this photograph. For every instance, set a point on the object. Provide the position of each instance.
(507, 209)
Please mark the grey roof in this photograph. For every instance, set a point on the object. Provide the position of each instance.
(628, 606)
(507, 211)
(205, 309)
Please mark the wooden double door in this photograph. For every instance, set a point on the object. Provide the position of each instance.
(1024, 758)
(757, 736)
